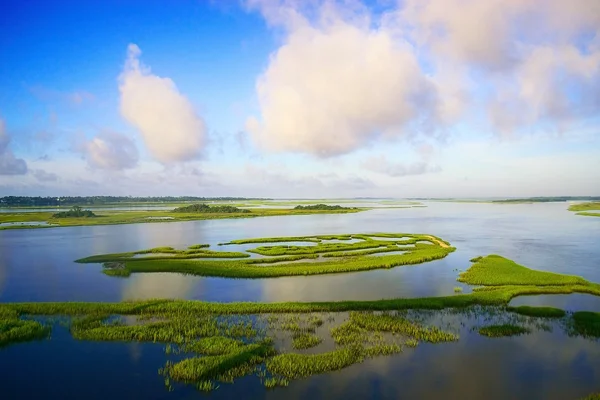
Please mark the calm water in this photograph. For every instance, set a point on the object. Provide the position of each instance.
(37, 265)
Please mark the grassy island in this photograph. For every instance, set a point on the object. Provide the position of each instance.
(585, 208)
(323, 254)
(74, 212)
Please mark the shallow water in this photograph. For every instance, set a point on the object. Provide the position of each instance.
(37, 265)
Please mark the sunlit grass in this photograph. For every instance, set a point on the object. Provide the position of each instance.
(495, 270)
(340, 257)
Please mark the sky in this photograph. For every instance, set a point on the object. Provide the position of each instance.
(300, 99)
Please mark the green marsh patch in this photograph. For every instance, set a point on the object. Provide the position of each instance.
(322, 254)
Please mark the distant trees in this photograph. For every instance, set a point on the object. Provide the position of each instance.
(205, 208)
(26, 201)
(321, 207)
(75, 212)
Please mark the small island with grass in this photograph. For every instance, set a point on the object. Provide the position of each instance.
(75, 212)
(282, 256)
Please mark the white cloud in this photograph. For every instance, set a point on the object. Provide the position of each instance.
(332, 89)
(165, 118)
(344, 77)
(110, 150)
(9, 164)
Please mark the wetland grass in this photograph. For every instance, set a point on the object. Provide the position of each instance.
(225, 367)
(294, 366)
(305, 341)
(502, 330)
(495, 270)
(280, 260)
(586, 324)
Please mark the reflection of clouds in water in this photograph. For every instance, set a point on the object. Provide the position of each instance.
(429, 279)
(158, 285)
(349, 286)
(542, 365)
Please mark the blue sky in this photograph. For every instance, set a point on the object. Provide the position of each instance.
(300, 99)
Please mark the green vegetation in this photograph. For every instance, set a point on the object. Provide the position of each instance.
(305, 341)
(399, 325)
(458, 289)
(595, 396)
(205, 208)
(321, 207)
(584, 208)
(295, 366)
(14, 330)
(495, 270)
(226, 367)
(199, 246)
(281, 260)
(502, 330)
(116, 217)
(544, 312)
(586, 323)
(74, 212)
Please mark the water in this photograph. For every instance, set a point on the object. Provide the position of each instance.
(37, 265)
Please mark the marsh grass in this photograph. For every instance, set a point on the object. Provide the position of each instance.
(595, 205)
(502, 330)
(294, 366)
(111, 217)
(14, 330)
(273, 382)
(495, 270)
(585, 323)
(305, 341)
(279, 260)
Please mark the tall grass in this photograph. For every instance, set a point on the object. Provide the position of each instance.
(495, 270)
(340, 257)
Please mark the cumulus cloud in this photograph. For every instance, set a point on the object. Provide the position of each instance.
(382, 165)
(333, 88)
(164, 117)
(9, 164)
(345, 76)
(111, 151)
